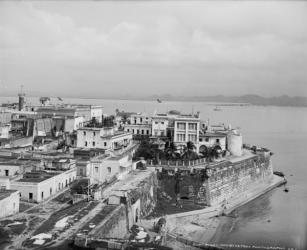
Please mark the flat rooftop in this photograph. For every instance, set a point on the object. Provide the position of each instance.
(37, 176)
(4, 193)
(131, 181)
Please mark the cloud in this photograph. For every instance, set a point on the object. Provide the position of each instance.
(270, 38)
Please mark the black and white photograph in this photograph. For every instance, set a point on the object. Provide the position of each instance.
(153, 124)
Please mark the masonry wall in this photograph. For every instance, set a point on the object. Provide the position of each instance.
(114, 226)
(220, 182)
(146, 192)
(228, 181)
(9, 205)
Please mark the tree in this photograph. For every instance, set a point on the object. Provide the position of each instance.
(171, 151)
(188, 152)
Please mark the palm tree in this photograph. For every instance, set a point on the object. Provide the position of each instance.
(188, 152)
(171, 151)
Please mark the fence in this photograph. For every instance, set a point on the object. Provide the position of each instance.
(179, 163)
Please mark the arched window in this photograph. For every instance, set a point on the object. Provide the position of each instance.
(109, 170)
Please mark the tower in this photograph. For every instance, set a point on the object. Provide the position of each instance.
(21, 99)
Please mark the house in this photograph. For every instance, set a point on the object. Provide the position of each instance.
(186, 128)
(103, 137)
(211, 140)
(9, 202)
(139, 124)
(5, 131)
(105, 168)
(159, 123)
(37, 186)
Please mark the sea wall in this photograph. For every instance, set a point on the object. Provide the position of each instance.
(216, 182)
(232, 178)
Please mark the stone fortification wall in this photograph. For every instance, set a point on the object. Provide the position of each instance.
(146, 193)
(233, 178)
(215, 183)
(113, 226)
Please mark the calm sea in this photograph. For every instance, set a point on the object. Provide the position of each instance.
(277, 219)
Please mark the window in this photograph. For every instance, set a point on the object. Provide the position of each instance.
(85, 143)
(94, 133)
(181, 125)
(30, 196)
(42, 195)
(109, 170)
(162, 133)
(105, 144)
(142, 131)
(81, 172)
(84, 133)
(200, 139)
(50, 191)
(96, 170)
(180, 137)
(141, 120)
(156, 122)
(94, 144)
(6, 172)
(133, 131)
(192, 126)
(128, 130)
(162, 123)
(192, 138)
(137, 131)
(206, 139)
(217, 140)
(147, 132)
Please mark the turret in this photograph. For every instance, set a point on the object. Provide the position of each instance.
(21, 99)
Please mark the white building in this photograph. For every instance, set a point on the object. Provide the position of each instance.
(211, 140)
(186, 128)
(5, 131)
(96, 112)
(139, 124)
(73, 124)
(9, 202)
(104, 138)
(160, 124)
(40, 185)
(105, 168)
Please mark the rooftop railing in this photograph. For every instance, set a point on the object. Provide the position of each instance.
(178, 163)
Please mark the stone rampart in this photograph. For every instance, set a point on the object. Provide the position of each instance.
(217, 182)
(233, 178)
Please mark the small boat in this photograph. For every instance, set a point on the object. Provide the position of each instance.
(281, 174)
(217, 108)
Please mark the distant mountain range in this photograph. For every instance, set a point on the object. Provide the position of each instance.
(250, 99)
(284, 100)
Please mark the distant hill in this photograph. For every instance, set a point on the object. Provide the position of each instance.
(285, 100)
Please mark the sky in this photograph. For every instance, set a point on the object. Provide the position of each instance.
(183, 48)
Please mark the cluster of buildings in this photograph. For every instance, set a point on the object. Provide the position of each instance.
(180, 129)
(46, 148)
